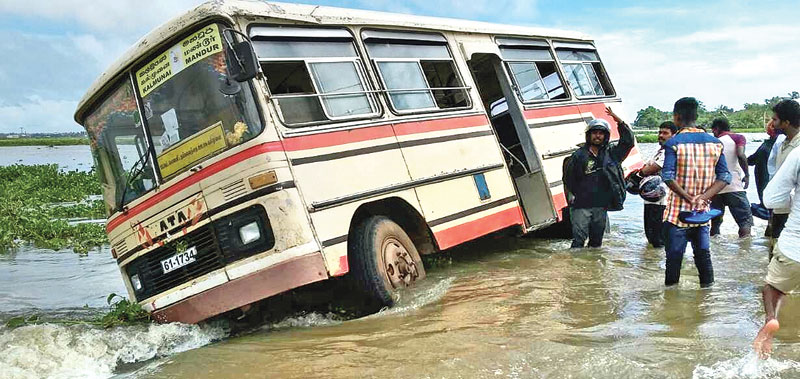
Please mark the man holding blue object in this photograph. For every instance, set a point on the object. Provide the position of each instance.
(695, 170)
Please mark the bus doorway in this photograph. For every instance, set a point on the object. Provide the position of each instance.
(508, 121)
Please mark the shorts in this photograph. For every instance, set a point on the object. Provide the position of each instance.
(783, 273)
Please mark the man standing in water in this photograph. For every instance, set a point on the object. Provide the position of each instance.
(733, 195)
(783, 273)
(695, 170)
(654, 211)
(595, 180)
(786, 118)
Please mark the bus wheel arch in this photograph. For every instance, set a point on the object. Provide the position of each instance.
(385, 244)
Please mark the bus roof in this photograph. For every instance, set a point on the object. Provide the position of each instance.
(300, 13)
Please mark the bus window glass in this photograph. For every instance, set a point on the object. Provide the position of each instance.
(315, 81)
(585, 73)
(304, 49)
(118, 147)
(190, 110)
(341, 77)
(402, 76)
(530, 83)
(534, 72)
(419, 76)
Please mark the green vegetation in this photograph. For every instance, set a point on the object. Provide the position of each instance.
(44, 141)
(35, 202)
(751, 118)
(121, 312)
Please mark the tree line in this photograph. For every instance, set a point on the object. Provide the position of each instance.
(751, 116)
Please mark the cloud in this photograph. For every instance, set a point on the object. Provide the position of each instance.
(38, 115)
(116, 17)
(723, 66)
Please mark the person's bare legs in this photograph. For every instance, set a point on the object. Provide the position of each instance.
(772, 298)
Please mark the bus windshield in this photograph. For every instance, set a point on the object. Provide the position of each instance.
(192, 112)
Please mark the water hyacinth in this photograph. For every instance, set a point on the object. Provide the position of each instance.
(37, 201)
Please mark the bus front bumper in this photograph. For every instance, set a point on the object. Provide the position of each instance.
(259, 285)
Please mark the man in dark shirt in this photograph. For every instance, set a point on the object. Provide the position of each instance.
(759, 160)
(591, 179)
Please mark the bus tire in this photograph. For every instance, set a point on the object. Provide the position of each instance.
(382, 260)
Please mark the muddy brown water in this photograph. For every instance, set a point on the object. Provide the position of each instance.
(504, 307)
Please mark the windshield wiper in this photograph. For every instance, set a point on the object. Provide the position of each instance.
(132, 175)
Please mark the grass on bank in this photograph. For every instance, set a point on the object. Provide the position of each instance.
(44, 141)
(651, 136)
(30, 210)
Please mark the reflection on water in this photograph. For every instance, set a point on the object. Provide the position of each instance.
(505, 307)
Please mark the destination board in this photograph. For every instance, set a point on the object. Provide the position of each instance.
(185, 53)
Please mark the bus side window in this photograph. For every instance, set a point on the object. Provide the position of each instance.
(534, 73)
(314, 75)
(417, 70)
(585, 73)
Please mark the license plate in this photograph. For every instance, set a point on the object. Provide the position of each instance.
(179, 260)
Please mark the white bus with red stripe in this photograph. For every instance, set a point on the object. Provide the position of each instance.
(363, 141)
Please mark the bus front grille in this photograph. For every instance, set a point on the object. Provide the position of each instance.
(154, 281)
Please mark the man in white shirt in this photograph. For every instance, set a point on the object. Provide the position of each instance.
(783, 273)
(786, 118)
(733, 195)
(654, 210)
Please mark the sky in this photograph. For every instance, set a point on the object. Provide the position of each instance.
(722, 52)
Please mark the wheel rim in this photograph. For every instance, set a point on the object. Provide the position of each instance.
(398, 264)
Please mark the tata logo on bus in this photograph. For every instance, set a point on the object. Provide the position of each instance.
(177, 221)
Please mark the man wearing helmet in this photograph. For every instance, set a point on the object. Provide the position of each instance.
(594, 180)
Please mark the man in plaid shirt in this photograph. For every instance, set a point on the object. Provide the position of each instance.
(695, 170)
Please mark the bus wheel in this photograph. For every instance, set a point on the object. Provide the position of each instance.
(383, 260)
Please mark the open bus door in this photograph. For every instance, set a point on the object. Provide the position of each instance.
(508, 121)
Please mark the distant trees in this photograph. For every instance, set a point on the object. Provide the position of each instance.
(752, 115)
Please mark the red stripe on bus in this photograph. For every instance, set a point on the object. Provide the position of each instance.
(438, 125)
(551, 112)
(473, 229)
(315, 141)
(337, 138)
(211, 169)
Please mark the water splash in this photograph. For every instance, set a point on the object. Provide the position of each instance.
(417, 297)
(306, 321)
(82, 351)
(748, 366)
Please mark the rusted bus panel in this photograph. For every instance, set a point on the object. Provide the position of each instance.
(292, 238)
(276, 279)
(332, 226)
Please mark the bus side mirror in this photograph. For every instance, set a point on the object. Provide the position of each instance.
(242, 61)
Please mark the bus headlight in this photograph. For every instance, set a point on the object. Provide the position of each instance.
(136, 282)
(249, 233)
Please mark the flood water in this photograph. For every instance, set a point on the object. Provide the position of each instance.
(504, 307)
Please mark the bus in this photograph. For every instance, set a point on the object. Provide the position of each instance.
(249, 148)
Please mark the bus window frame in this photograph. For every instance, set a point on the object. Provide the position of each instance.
(386, 92)
(361, 70)
(599, 61)
(570, 96)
